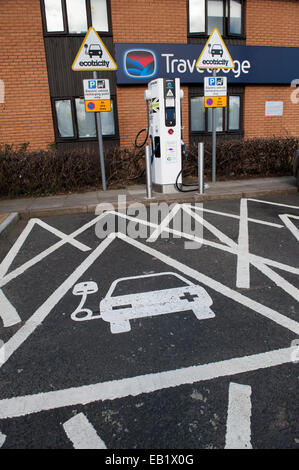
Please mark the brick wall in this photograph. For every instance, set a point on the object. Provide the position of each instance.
(256, 124)
(141, 21)
(271, 23)
(26, 114)
(149, 20)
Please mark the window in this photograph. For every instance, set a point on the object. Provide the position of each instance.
(64, 118)
(73, 123)
(75, 16)
(226, 15)
(227, 119)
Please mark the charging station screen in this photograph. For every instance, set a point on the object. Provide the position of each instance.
(170, 116)
(170, 113)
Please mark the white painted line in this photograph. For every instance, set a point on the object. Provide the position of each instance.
(238, 425)
(165, 223)
(214, 230)
(273, 203)
(43, 311)
(2, 439)
(218, 246)
(11, 218)
(243, 263)
(82, 434)
(286, 220)
(278, 280)
(67, 238)
(4, 266)
(217, 286)
(134, 386)
(258, 262)
(8, 313)
(233, 216)
(16, 247)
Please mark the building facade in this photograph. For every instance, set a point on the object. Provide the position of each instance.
(41, 96)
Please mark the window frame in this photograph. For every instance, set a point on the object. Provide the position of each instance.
(225, 114)
(226, 22)
(76, 137)
(66, 32)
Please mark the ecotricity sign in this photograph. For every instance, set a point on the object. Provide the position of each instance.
(140, 63)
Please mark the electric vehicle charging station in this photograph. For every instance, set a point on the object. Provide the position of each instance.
(164, 107)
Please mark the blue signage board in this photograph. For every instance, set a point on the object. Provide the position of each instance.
(141, 63)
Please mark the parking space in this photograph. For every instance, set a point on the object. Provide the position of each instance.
(177, 333)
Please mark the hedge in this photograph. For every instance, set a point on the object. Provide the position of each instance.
(44, 172)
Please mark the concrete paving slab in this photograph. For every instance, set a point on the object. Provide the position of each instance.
(87, 202)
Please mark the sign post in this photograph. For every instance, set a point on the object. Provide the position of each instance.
(94, 56)
(215, 56)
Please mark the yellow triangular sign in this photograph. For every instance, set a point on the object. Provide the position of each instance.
(93, 54)
(215, 54)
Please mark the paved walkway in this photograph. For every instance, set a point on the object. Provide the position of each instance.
(87, 202)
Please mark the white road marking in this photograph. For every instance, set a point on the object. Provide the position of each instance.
(238, 426)
(134, 386)
(165, 222)
(273, 203)
(256, 261)
(286, 220)
(16, 247)
(43, 311)
(2, 439)
(8, 313)
(82, 434)
(243, 263)
(233, 216)
(219, 287)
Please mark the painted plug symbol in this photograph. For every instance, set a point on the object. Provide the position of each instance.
(84, 289)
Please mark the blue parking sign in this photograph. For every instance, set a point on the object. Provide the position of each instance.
(92, 84)
(212, 81)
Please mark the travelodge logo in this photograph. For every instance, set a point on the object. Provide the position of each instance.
(140, 63)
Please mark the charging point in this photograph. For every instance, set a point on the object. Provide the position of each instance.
(164, 108)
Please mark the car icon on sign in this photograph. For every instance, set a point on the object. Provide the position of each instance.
(95, 49)
(217, 50)
(119, 310)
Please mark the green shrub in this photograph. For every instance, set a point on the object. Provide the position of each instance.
(24, 173)
(249, 158)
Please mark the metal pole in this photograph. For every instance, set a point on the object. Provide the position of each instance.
(148, 173)
(201, 168)
(100, 139)
(214, 140)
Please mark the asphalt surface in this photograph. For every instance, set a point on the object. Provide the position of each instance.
(165, 378)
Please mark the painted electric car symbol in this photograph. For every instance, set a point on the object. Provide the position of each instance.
(119, 310)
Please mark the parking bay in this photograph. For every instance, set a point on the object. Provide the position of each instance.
(64, 353)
